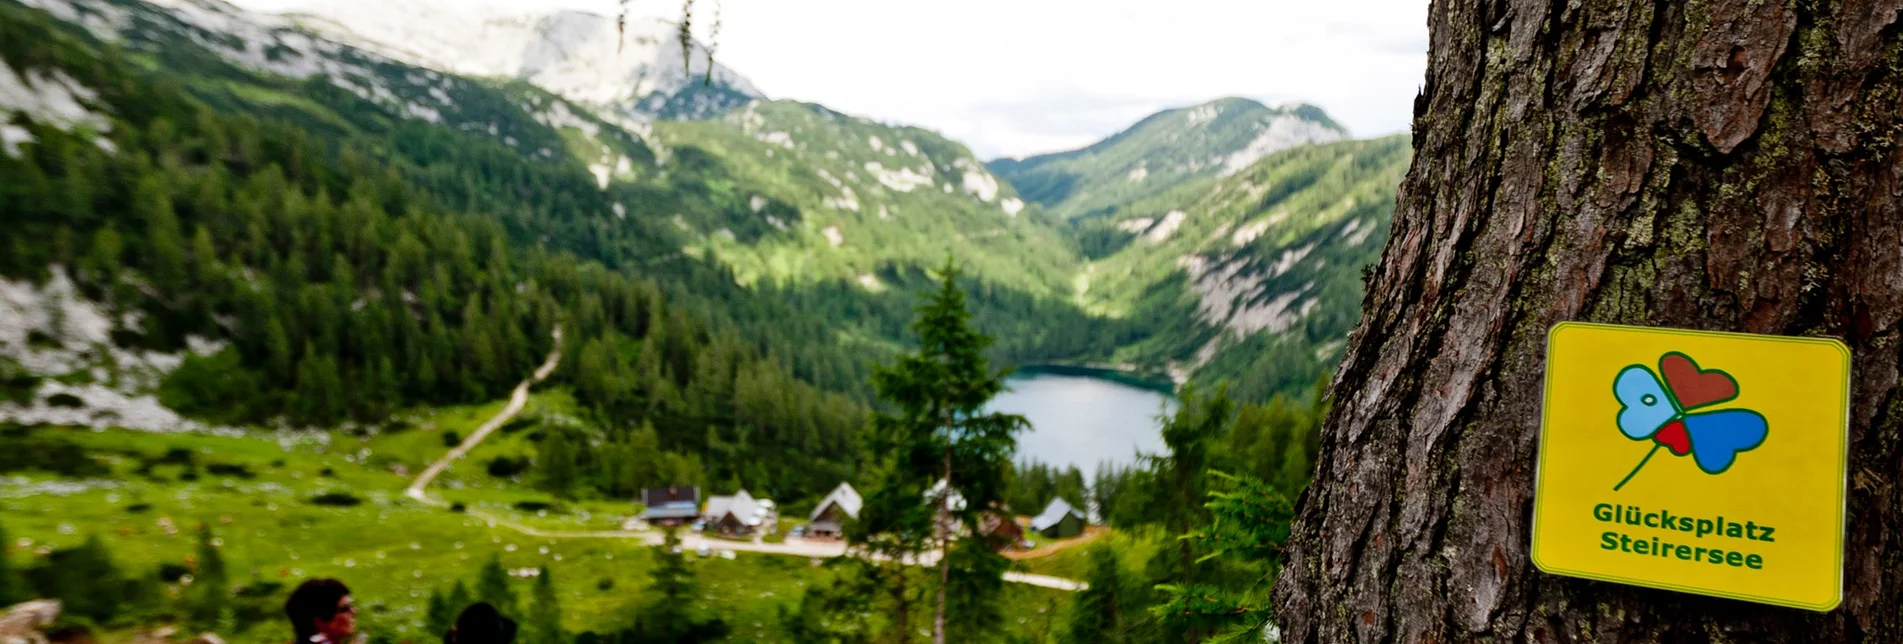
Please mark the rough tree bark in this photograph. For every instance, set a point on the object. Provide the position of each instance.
(1710, 164)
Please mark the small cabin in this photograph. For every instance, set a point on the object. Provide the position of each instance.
(672, 505)
(740, 514)
(1059, 520)
(829, 517)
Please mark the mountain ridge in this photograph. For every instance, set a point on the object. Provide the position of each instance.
(1213, 138)
(582, 56)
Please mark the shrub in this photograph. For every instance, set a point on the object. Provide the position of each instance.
(171, 572)
(344, 499)
(534, 506)
(16, 384)
(517, 425)
(138, 507)
(226, 469)
(503, 467)
(50, 453)
(605, 584)
(217, 387)
(66, 400)
(327, 472)
(457, 507)
(452, 439)
(39, 339)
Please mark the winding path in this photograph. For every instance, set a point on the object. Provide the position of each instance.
(516, 400)
(418, 490)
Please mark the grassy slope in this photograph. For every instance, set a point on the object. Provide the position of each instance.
(393, 552)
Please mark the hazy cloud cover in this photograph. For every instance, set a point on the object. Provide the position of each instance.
(1019, 77)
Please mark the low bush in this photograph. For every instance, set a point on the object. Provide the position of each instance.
(534, 506)
(503, 467)
(46, 451)
(171, 572)
(226, 469)
(343, 499)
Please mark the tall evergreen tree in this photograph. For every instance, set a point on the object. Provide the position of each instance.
(458, 599)
(210, 597)
(545, 617)
(1249, 522)
(940, 433)
(669, 616)
(1098, 615)
(439, 616)
(1177, 501)
(557, 472)
(492, 585)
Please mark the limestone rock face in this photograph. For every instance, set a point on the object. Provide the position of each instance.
(26, 623)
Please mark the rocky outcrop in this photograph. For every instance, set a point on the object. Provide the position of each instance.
(27, 623)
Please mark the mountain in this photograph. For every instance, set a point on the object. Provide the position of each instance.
(789, 220)
(1265, 263)
(810, 194)
(583, 57)
(1213, 139)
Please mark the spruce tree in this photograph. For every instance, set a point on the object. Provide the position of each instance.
(210, 595)
(1248, 524)
(940, 432)
(492, 585)
(669, 615)
(440, 616)
(1097, 617)
(558, 472)
(545, 617)
(458, 599)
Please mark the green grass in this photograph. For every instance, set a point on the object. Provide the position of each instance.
(392, 551)
(1134, 548)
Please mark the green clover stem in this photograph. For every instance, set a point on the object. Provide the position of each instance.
(1635, 470)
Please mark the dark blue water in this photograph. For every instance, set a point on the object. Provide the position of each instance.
(1082, 421)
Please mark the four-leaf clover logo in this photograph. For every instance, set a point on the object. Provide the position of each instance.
(1675, 418)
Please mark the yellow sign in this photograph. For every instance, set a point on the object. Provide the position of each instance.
(1709, 463)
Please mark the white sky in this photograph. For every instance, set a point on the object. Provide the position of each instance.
(1018, 77)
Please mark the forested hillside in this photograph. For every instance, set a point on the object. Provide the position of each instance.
(1270, 259)
(352, 262)
(781, 238)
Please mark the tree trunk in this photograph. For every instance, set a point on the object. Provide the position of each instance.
(944, 552)
(1710, 164)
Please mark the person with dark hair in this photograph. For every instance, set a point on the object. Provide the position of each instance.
(481, 624)
(321, 612)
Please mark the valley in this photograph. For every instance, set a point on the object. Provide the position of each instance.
(271, 273)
